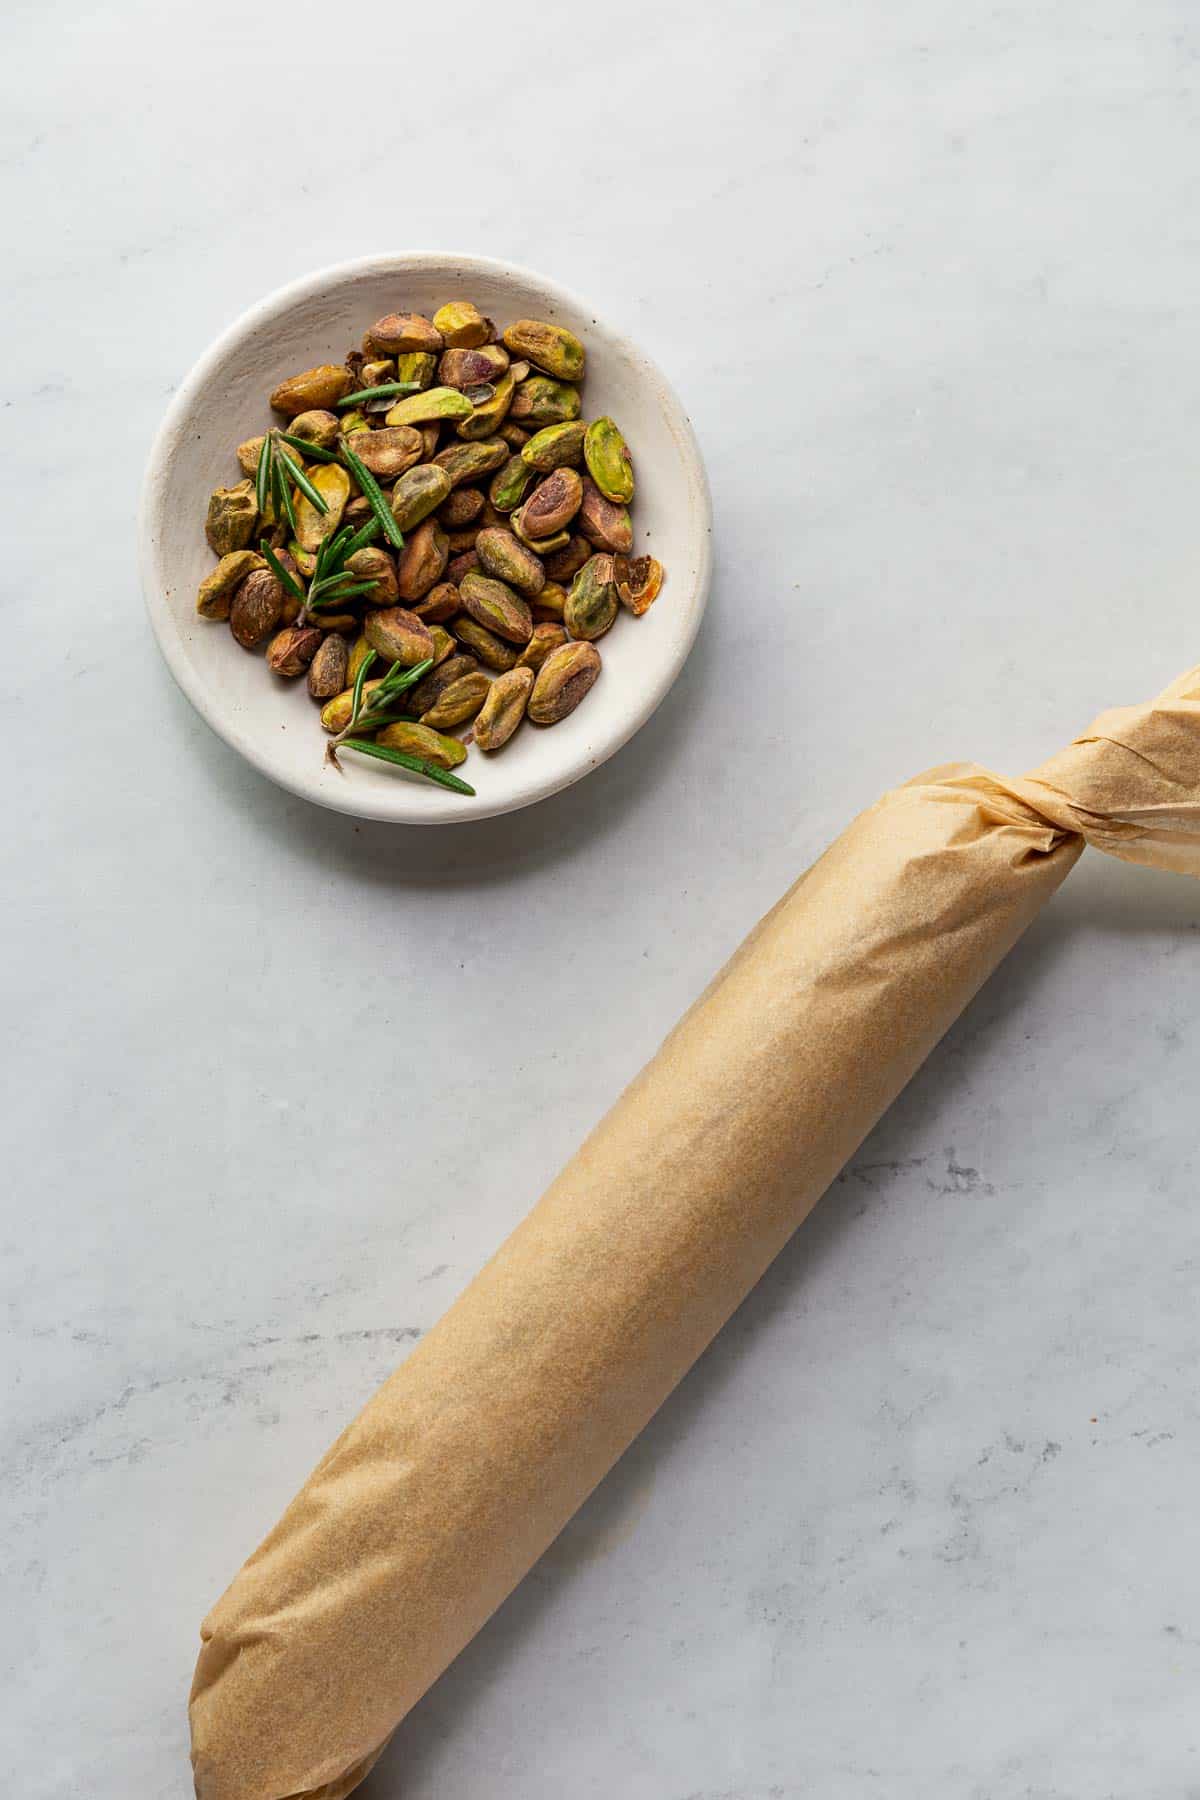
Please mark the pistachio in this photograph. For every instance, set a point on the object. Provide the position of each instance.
(550, 603)
(503, 708)
(638, 580)
(302, 559)
(548, 347)
(514, 435)
(541, 546)
(562, 681)
(431, 686)
(467, 462)
(603, 522)
(562, 564)
(439, 604)
(418, 493)
(609, 462)
(333, 484)
(493, 604)
(509, 483)
(422, 562)
(398, 333)
(435, 403)
(467, 368)
(255, 608)
(232, 516)
(541, 401)
(292, 649)
(417, 366)
(489, 648)
(374, 374)
(552, 504)
(443, 644)
(459, 701)
(458, 541)
(491, 520)
(398, 636)
(419, 740)
(592, 602)
(374, 564)
(354, 422)
(503, 556)
(317, 427)
(555, 445)
(358, 510)
(360, 649)
(391, 451)
(248, 454)
(336, 713)
(491, 404)
(215, 592)
(329, 670)
(320, 388)
(461, 565)
(430, 436)
(462, 325)
(462, 508)
(547, 636)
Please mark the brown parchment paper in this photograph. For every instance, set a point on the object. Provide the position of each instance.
(462, 1469)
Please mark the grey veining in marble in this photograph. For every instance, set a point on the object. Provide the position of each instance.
(924, 1521)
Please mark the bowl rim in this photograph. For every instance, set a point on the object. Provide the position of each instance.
(396, 804)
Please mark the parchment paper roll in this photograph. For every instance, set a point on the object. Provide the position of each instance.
(462, 1469)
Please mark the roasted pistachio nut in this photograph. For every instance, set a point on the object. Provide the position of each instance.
(466, 462)
(467, 368)
(422, 562)
(434, 403)
(548, 347)
(420, 740)
(302, 559)
(509, 484)
(443, 644)
(550, 602)
(604, 523)
(547, 636)
(541, 401)
(461, 565)
(329, 670)
(215, 592)
(256, 608)
(592, 601)
(317, 427)
(360, 649)
(484, 644)
(503, 708)
(505, 557)
(430, 438)
(399, 333)
(333, 484)
(336, 713)
(491, 404)
(552, 504)
(541, 547)
(427, 690)
(493, 603)
(313, 389)
(515, 436)
(374, 374)
(391, 451)
(439, 604)
(462, 325)
(459, 701)
(609, 462)
(461, 508)
(358, 510)
(232, 516)
(248, 454)
(417, 366)
(375, 565)
(554, 446)
(291, 650)
(561, 565)
(353, 423)
(398, 636)
(562, 681)
(459, 541)
(418, 493)
(638, 580)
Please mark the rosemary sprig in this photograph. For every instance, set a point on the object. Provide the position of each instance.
(379, 393)
(315, 451)
(369, 711)
(401, 758)
(283, 495)
(284, 575)
(371, 492)
(313, 495)
(262, 474)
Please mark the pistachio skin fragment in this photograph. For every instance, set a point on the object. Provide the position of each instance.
(638, 581)
(503, 708)
(567, 674)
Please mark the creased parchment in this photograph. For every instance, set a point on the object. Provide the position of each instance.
(454, 1479)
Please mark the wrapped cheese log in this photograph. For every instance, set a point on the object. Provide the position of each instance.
(462, 1469)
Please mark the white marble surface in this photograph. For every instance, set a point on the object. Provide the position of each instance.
(927, 276)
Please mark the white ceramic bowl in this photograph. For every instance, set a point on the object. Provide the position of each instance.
(224, 400)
